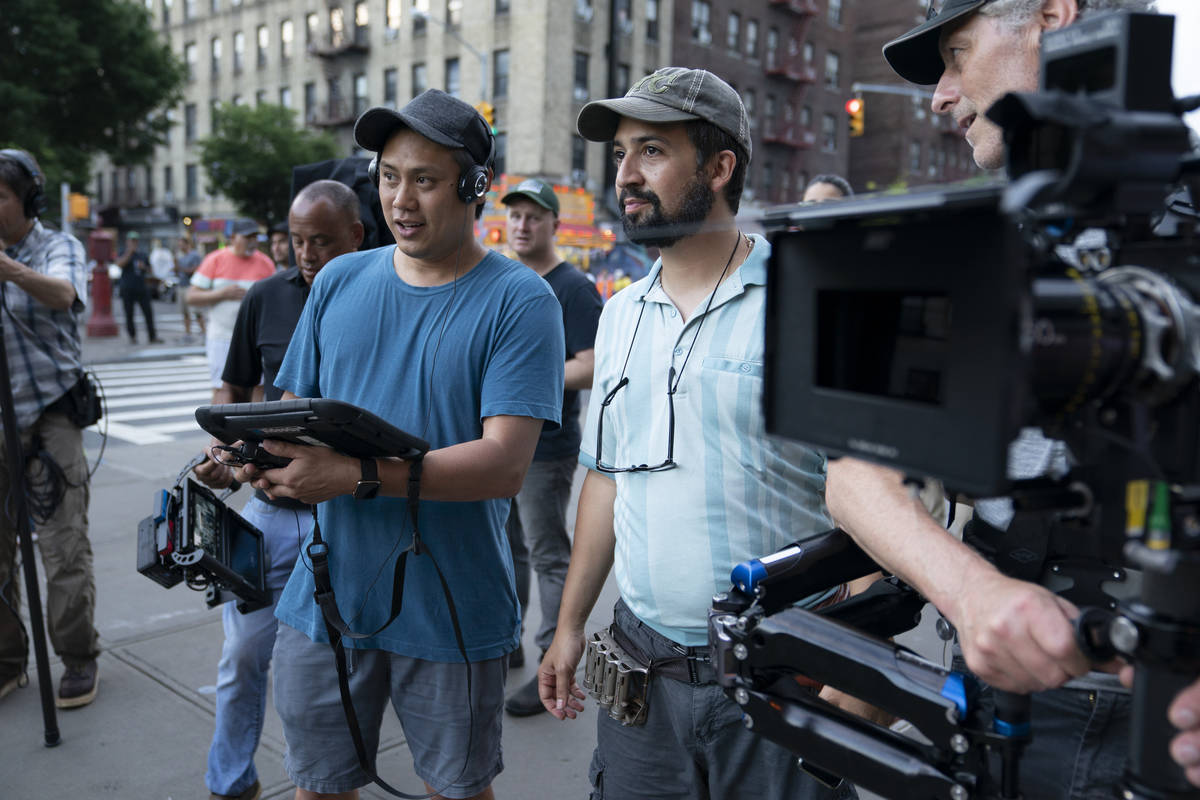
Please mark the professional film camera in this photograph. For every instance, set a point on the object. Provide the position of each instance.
(929, 332)
(194, 538)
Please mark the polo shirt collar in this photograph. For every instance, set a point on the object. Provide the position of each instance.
(752, 272)
(293, 274)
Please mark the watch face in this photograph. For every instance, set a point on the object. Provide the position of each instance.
(365, 490)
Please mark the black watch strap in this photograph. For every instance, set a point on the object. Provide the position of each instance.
(368, 485)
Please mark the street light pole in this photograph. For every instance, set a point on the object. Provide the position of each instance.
(483, 92)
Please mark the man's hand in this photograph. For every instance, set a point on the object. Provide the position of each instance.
(1018, 636)
(10, 270)
(315, 475)
(231, 292)
(1184, 714)
(211, 473)
(561, 696)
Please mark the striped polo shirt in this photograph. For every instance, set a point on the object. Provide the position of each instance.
(43, 343)
(222, 268)
(736, 493)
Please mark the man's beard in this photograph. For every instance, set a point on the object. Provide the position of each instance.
(656, 229)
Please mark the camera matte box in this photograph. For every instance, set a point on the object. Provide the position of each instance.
(893, 332)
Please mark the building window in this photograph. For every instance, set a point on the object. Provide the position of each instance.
(264, 41)
(750, 100)
(785, 187)
(835, 12)
(166, 15)
(260, 97)
(733, 31)
(914, 157)
(652, 20)
(168, 184)
(391, 88)
(337, 27)
(310, 101)
(215, 6)
(578, 154)
(454, 10)
(810, 52)
(190, 58)
(392, 19)
(581, 77)
(583, 10)
(312, 28)
(806, 117)
(769, 116)
(237, 101)
(239, 52)
(420, 13)
(453, 77)
(832, 66)
(501, 153)
(285, 96)
(623, 76)
(362, 23)
(360, 93)
(213, 106)
(287, 33)
(701, 21)
(502, 7)
(420, 79)
(189, 123)
(772, 47)
(215, 52)
(116, 187)
(189, 9)
(500, 73)
(829, 133)
(335, 106)
(751, 38)
(191, 182)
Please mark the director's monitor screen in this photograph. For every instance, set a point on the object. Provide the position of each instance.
(892, 332)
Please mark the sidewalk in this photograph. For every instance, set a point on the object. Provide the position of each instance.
(104, 349)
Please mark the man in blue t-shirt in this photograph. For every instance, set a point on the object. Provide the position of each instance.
(461, 347)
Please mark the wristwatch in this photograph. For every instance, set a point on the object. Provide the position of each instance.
(369, 485)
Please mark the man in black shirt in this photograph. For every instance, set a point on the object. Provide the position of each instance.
(135, 266)
(323, 223)
(538, 520)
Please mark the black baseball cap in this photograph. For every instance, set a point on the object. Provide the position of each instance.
(437, 116)
(670, 94)
(915, 55)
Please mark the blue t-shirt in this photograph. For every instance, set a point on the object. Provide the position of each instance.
(433, 361)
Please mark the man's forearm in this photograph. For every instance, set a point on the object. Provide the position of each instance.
(55, 293)
(577, 372)
(872, 504)
(228, 393)
(591, 554)
(203, 297)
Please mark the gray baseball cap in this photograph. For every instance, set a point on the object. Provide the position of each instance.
(671, 94)
(537, 191)
(915, 55)
(244, 227)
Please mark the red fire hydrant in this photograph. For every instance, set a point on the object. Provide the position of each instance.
(100, 249)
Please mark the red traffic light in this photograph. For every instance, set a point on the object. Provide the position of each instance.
(854, 105)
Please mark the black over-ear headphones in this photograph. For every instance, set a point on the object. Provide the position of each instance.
(472, 183)
(34, 201)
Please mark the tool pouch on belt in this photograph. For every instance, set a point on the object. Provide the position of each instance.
(619, 682)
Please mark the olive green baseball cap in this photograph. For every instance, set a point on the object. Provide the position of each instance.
(671, 94)
(537, 191)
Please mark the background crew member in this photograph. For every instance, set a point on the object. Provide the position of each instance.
(826, 187)
(43, 275)
(279, 245)
(541, 506)
(678, 379)
(462, 347)
(1014, 634)
(324, 223)
(220, 283)
(185, 265)
(135, 266)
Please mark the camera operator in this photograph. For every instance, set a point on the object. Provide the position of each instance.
(324, 223)
(43, 275)
(1016, 635)
(464, 348)
(678, 373)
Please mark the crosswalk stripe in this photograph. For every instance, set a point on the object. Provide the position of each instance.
(199, 397)
(132, 391)
(188, 410)
(134, 367)
(199, 377)
(136, 434)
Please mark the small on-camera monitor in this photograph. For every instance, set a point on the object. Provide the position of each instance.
(312, 421)
(892, 332)
(226, 538)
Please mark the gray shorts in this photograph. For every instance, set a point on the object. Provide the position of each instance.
(430, 699)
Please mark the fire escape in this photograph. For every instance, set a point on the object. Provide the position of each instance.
(346, 45)
(785, 65)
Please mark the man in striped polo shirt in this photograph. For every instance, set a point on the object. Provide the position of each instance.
(220, 283)
(683, 482)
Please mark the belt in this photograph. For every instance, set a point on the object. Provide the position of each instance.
(692, 665)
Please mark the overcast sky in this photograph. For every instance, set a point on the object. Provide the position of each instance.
(1186, 77)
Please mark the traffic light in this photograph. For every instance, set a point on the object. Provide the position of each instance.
(489, 113)
(854, 115)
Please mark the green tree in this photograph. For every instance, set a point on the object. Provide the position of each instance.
(82, 77)
(250, 155)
